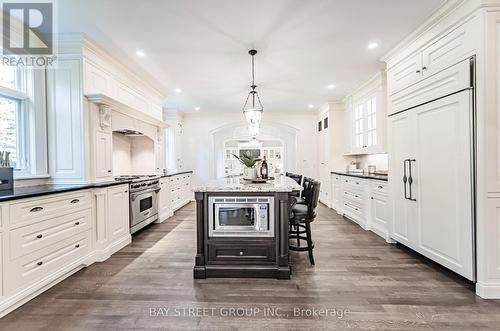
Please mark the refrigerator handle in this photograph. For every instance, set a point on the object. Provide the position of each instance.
(405, 179)
(410, 178)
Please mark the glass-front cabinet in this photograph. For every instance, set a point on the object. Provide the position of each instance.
(366, 109)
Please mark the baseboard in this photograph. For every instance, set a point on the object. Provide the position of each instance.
(488, 291)
(165, 216)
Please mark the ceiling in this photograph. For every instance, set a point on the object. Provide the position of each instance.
(201, 46)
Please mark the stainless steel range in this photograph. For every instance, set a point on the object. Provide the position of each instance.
(143, 200)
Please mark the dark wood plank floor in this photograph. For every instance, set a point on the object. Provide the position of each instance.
(380, 286)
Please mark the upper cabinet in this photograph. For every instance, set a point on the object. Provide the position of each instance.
(366, 117)
(438, 53)
(104, 75)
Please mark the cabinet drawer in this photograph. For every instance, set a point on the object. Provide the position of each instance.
(42, 208)
(354, 184)
(28, 239)
(355, 197)
(379, 187)
(353, 211)
(238, 253)
(47, 261)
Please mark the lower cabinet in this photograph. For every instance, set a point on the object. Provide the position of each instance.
(175, 192)
(118, 212)
(45, 239)
(363, 201)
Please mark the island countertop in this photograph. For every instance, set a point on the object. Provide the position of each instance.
(236, 184)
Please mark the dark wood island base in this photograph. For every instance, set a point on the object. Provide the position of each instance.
(242, 256)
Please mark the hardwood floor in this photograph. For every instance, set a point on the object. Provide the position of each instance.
(377, 286)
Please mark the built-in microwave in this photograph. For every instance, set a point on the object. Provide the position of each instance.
(241, 216)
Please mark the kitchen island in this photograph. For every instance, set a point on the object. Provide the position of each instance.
(242, 228)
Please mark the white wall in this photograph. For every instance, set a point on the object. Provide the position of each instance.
(122, 158)
(378, 160)
(198, 140)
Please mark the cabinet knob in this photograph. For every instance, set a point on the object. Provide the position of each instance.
(417, 71)
(424, 68)
(109, 170)
(371, 198)
(241, 253)
(39, 236)
(77, 223)
(39, 263)
(77, 245)
(380, 186)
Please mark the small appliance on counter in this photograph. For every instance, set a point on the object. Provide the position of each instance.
(6, 172)
(353, 167)
(372, 169)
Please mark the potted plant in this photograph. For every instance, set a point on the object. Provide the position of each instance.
(249, 171)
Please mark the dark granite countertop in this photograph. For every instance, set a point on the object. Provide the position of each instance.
(361, 175)
(39, 190)
(174, 173)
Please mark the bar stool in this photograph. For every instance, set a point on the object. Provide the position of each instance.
(302, 200)
(302, 215)
(296, 178)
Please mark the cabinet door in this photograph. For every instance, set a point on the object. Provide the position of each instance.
(452, 47)
(400, 149)
(118, 213)
(103, 155)
(443, 182)
(378, 220)
(164, 199)
(404, 73)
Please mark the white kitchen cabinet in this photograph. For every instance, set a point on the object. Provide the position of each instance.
(431, 146)
(336, 193)
(96, 79)
(118, 213)
(103, 155)
(354, 192)
(164, 203)
(367, 110)
(65, 125)
(378, 219)
(440, 52)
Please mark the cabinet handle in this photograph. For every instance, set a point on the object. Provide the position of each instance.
(74, 201)
(417, 71)
(40, 236)
(77, 223)
(424, 68)
(36, 209)
(380, 186)
(77, 245)
(410, 178)
(405, 179)
(39, 263)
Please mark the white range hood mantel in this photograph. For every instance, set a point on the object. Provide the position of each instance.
(112, 104)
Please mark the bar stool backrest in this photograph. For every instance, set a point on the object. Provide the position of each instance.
(295, 177)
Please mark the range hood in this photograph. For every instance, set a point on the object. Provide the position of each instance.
(127, 132)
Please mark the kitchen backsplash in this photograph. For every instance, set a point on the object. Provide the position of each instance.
(378, 160)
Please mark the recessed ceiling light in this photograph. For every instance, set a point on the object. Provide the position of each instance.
(311, 106)
(178, 90)
(196, 108)
(140, 53)
(331, 86)
(372, 45)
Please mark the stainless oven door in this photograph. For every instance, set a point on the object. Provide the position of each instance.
(236, 217)
(143, 206)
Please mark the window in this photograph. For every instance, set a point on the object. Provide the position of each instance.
(12, 116)
(23, 120)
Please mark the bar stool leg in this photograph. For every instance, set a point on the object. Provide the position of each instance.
(309, 243)
(297, 227)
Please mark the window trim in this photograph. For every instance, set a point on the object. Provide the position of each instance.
(32, 135)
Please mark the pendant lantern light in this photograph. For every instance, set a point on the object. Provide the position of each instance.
(253, 108)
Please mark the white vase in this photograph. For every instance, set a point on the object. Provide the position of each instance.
(250, 173)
